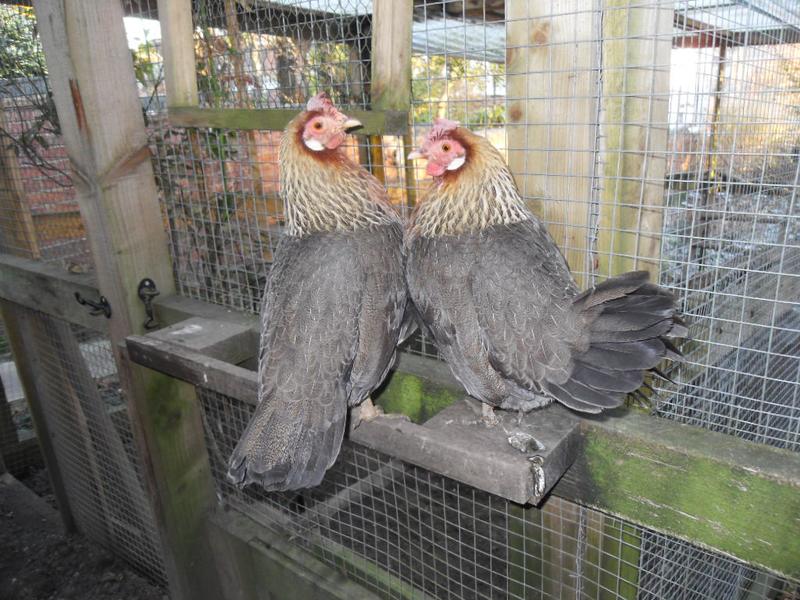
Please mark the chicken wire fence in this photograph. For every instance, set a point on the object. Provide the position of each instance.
(404, 532)
(715, 125)
(88, 425)
(703, 197)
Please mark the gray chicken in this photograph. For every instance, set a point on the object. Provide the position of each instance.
(333, 309)
(498, 298)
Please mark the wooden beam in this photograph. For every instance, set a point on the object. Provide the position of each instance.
(177, 43)
(49, 288)
(276, 119)
(636, 50)
(551, 66)
(17, 231)
(391, 54)
(706, 487)
(451, 442)
(95, 94)
(709, 488)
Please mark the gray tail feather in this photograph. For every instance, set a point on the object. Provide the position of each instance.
(629, 324)
(283, 450)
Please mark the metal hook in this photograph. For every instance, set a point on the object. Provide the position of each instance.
(101, 307)
(146, 291)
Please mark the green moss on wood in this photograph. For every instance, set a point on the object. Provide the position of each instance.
(417, 398)
(723, 506)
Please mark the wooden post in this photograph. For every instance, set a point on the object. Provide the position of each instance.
(568, 149)
(636, 46)
(390, 82)
(180, 67)
(551, 64)
(391, 54)
(17, 231)
(92, 78)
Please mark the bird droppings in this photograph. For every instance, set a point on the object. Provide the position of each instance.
(525, 442)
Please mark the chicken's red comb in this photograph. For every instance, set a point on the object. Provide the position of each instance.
(321, 102)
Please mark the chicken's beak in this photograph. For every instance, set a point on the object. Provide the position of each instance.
(351, 124)
(414, 155)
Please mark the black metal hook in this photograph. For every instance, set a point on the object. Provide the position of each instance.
(146, 291)
(101, 307)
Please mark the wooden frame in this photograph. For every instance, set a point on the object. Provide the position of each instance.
(705, 487)
(390, 79)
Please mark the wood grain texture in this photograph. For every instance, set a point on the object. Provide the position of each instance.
(177, 45)
(50, 289)
(391, 54)
(637, 41)
(90, 71)
(552, 111)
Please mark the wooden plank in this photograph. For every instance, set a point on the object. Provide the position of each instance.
(48, 288)
(90, 70)
(390, 86)
(276, 119)
(703, 486)
(177, 44)
(709, 488)
(637, 41)
(452, 443)
(280, 566)
(17, 231)
(17, 321)
(552, 78)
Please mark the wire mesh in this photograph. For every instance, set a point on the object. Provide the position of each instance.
(88, 425)
(431, 537)
(39, 217)
(697, 143)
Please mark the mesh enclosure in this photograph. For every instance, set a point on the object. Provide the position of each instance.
(90, 430)
(704, 199)
(658, 135)
(432, 537)
(39, 216)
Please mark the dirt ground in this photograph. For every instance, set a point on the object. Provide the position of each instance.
(39, 562)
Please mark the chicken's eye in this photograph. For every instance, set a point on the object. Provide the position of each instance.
(318, 125)
(445, 147)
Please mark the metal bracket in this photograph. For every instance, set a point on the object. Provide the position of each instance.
(101, 307)
(146, 291)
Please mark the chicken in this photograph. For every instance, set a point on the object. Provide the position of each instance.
(497, 296)
(333, 308)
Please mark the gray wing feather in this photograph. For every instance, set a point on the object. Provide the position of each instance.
(329, 328)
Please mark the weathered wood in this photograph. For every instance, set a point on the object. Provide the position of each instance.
(192, 367)
(452, 443)
(276, 119)
(17, 231)
(231, 342)
(552, 113)
(17, 321)
(177, 45)
(390, 87)
(712, 489)
(8, 432)
(50, 289)
(90, 69)
(282, 569)
(636, 46)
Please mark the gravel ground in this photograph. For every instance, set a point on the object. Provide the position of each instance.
(39, 562)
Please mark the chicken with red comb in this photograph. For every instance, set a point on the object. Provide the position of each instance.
(333, 309)
(496, 294)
